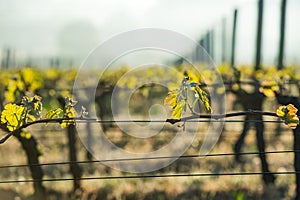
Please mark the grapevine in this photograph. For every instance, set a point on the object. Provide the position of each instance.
(29, 101)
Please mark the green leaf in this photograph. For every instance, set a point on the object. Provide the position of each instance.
(179, 99)
(25, 135)
(289, 115)
(69, 112)
(171, 99)
(202, 96)
(33, 105)
(53, 113)
(31, 117)
(32, 78)
(66, 123)
(37, 101)
(12, 116)
(176, 114)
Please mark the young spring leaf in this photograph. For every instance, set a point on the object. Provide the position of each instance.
(31, 117)
(15, 87)
(172, 97)
(69, 112)
(53, 113)
(269, 88)
(13, 116)
(33, 105)
(178, 99)
(202, 96)
(176, 114)
(25, 135)
(289, 115)
(32, 79)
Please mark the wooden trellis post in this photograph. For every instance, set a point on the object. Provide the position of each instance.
(223, 40)
(259, 35)
(232, 60)
(212, 43)
(282, 35)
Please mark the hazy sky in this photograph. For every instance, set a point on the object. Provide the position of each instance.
(72, 28)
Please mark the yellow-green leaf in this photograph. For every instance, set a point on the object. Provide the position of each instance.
(269, 88)
(70, 112)
(207, 107)
(292, 109)
(289, 115)
(12, 116)
(176, 114)
(53, 113)
(66, 123)
(202, 96)
(281, 111)
(171, 99)
(31, 117)
(25, 135)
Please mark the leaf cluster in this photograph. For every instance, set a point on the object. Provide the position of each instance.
(289, 115)
(179, 99)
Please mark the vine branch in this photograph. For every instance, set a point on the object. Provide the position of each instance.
(41, 121)
(172, 121)
(221, 116)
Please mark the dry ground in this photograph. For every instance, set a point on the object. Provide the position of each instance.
(53, 144)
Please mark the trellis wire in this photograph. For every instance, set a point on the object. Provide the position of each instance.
(150, 158)
(151, 176)
(163, 121)
(216, 118)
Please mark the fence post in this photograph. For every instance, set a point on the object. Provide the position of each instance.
(259, 35)
(6, 57)
(282, 34)
(13, 62)
(200, 52)
(207, 43)
(232, 61)
(201, 42)
(212, 43)
(223, 40)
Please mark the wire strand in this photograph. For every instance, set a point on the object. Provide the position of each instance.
(151, 176)
(163, 121)
(149, 158)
